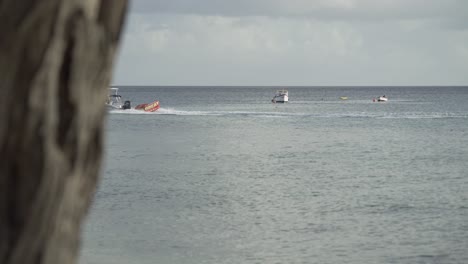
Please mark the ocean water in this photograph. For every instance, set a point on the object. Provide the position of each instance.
(222, 175)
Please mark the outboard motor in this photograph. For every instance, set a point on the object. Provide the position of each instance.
(126, 105)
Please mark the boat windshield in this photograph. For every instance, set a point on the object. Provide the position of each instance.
(113, 90)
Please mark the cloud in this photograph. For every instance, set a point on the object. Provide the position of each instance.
(322, 9)
(174, 42)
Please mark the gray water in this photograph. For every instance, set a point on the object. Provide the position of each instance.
(222, 175)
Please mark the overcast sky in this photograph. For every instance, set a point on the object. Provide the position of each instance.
(295, 42)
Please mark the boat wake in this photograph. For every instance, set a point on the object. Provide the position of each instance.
(377, 115)
(170, 111)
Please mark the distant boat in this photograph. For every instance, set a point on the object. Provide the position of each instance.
(114, 100)
(281, 96)
(344, 97)
(382, 99)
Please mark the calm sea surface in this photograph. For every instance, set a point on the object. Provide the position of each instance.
(222, 175)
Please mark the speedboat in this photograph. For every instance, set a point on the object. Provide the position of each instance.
(382, 99)
(114, 100)
(281, 96)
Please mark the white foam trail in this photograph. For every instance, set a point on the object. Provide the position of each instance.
(407, 115)
(171, 111)
(163, 111)
(130, 112)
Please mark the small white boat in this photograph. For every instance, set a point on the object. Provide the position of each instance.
(281, 96)
(382, 99)
(114, 100)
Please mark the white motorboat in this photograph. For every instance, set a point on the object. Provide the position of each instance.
(382, 99)
(281, 96)
(114, 100)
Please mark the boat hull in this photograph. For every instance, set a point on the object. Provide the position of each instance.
(281, 100)
(113, 107)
